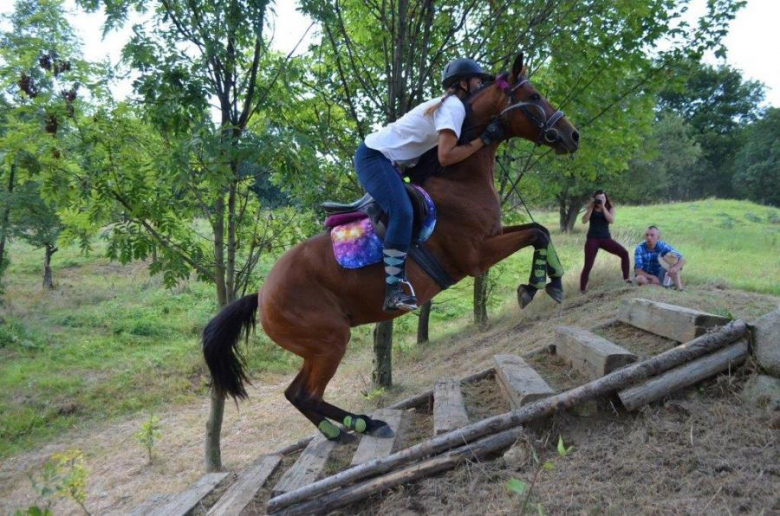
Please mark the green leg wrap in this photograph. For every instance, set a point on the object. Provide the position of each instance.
(356, 423)
(554, 267)
(329, 430)
(539, 269)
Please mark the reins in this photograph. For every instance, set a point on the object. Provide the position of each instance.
(547, 131)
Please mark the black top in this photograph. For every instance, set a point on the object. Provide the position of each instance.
(599, 227)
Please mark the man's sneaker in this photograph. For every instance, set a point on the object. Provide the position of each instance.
(397, 299)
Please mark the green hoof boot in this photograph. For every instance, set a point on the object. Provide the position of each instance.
(363, 424)
(329, 430)
(554, 292)
(525, 294)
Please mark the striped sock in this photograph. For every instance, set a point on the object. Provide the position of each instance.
(395, 264)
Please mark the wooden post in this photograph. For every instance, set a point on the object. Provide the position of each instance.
(382, 375)
(214, 431)
(520, 382)
(240, 494)
(670, 321)
(371, 447)
(480, 299)
(449, 411)
(308, 466)
(184, 502)
(587, 352)
(422, 324)
(685, 375)
(617, 380)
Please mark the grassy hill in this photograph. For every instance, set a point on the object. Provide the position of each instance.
(111, 341)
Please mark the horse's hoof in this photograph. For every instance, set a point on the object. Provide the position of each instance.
(554, 292)
(380, 429)
(525, 295)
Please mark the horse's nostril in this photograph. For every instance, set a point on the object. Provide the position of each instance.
(575, 136)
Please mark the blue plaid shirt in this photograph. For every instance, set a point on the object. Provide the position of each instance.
(647, 260)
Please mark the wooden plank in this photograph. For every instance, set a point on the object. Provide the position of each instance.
(684, 375)
(243, 491)
(308, 466)
(614, 381)
(184, 502)
(519, 381)
(449, 411)
(590, 354)
(371, 447)
(670, 321)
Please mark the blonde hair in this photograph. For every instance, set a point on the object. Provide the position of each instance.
(450, 92)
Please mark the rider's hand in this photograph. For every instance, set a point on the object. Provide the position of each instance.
(493, 133)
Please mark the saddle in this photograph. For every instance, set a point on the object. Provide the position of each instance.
(339, 214)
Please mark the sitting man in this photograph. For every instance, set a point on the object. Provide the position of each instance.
(646, 260)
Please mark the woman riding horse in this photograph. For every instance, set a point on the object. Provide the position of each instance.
(308, 303)
(400, 145)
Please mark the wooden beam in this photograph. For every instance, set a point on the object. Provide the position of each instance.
(520, 382)
(590, 354)
(449, 411)
(244, 490)
(446, 461)
(612, 382)
(308, 466)
(371, 447)
(670, 321)
(684, 375)
(184, 502)
(149, 505)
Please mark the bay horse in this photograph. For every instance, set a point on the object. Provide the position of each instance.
(308, 303)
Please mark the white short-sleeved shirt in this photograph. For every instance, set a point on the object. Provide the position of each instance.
(416, 133)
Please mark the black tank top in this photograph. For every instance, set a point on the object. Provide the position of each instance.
(599, 227)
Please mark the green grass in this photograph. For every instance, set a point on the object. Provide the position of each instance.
(111, 341)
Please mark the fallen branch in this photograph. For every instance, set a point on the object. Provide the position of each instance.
(612, 382)
(451, 459)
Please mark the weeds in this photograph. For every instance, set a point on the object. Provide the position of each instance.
(521, 488)
(149, 434)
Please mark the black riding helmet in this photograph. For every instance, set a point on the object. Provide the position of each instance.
(462, 68)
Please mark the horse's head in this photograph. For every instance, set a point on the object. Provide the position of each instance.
(525, 112)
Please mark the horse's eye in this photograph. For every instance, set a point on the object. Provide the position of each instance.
(536, 97)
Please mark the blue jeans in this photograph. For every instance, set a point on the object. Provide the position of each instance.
(380, 178)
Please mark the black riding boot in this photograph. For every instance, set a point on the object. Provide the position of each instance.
(395, 280)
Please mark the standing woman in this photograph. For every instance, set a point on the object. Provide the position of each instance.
(436, 122)
(600, 214)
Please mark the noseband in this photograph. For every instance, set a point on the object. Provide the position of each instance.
(547, 131)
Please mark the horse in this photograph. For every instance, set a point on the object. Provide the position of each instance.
(308, 303)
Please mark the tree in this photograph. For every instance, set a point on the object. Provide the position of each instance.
(717, 103)
(37, 223)
(757, 164)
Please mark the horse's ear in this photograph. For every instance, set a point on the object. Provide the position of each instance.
(518, 67)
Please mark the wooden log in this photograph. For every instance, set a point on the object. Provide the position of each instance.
(308, 466)
(449, 411)
(590, 354)
(446, 461)
(149, 505)
(684, 375)
(371, 447)
(184, 502)
(520, 382)
(243, 491)
(670, 321)
(614, 381)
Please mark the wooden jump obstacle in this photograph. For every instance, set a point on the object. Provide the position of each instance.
(377, 465)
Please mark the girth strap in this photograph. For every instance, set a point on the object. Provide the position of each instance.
(431, 266)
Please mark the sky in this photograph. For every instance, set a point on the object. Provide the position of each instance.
(752, 40)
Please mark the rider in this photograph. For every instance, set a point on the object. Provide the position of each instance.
(400, 144)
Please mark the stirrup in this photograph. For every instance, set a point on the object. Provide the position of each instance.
(400, 300)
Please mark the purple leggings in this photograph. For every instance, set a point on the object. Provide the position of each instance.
(592, 246)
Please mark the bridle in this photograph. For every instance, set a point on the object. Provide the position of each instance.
(547, 131)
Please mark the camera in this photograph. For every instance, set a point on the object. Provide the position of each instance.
(597, 201)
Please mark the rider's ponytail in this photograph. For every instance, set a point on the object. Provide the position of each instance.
(450, 91)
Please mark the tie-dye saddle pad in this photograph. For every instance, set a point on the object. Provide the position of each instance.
(355, 239)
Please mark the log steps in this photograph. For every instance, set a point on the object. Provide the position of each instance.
(612, 368)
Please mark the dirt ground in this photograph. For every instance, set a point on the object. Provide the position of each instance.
(702, 451)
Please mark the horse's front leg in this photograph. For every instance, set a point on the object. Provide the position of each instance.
(545, 259)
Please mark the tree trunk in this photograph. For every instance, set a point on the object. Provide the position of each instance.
(568, 209)
(383, 355)
(213, 433)
(422, 324)
(48, 283)
(6, 217)
(480, 299)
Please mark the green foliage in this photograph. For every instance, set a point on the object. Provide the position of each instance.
(757, 165)
(149, 434)
(63, 475)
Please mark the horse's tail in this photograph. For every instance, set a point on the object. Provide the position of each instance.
(220, 346)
